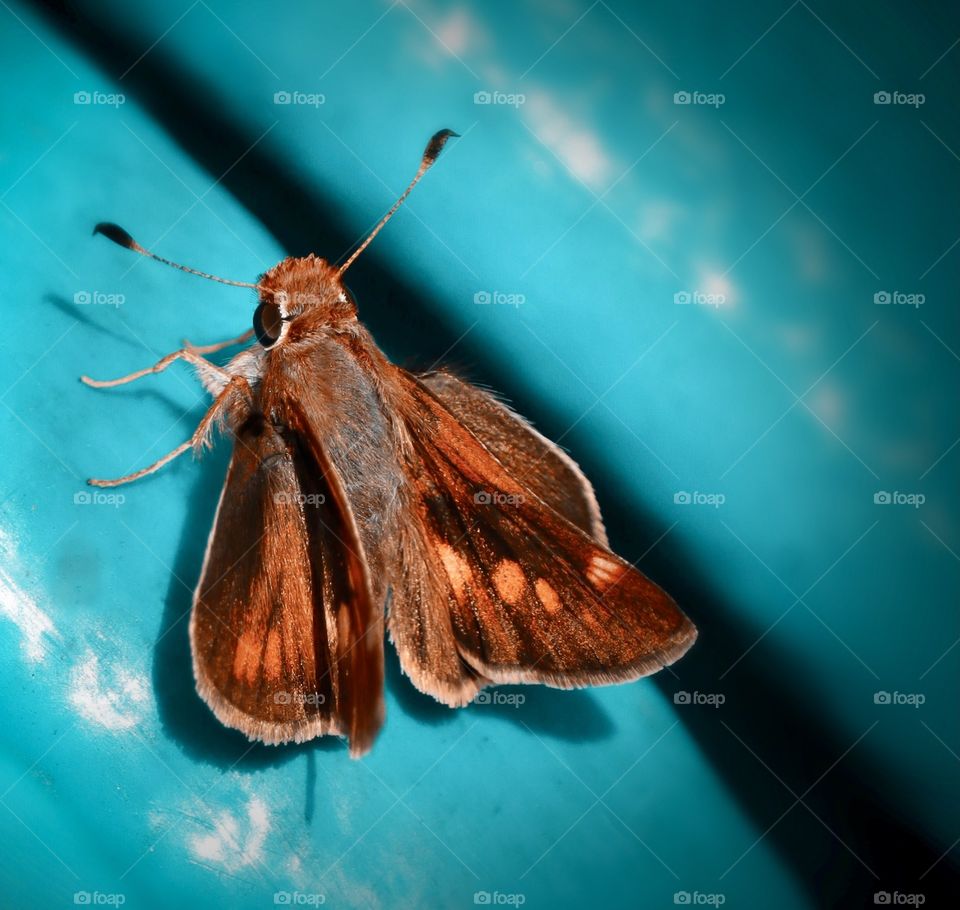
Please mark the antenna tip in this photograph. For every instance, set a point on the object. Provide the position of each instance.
(115, 233)
(436, 144)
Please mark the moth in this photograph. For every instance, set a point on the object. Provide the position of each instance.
(361, 495)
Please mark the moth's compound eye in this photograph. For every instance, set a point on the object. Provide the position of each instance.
(267, 324)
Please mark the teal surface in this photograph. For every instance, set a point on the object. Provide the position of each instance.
(692, 297)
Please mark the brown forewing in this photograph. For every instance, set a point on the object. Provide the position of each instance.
(283, 584)
(530, 595)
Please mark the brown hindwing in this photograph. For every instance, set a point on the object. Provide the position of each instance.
(534, 461)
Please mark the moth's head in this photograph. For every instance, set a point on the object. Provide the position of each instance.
(300, 296)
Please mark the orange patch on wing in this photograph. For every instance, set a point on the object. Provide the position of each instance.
(509, 581)
(246, 659)
(589, 619)
(547, 596)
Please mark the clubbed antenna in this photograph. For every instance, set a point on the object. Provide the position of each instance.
(119, 236)
(430, 154)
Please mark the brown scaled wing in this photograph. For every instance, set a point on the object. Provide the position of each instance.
(286, 642)
(531, 595)
(532, 459)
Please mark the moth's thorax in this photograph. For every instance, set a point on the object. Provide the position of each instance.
(334, 382)
(301, 296)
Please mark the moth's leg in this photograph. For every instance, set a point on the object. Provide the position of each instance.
(229, 403)
(129, 478)
(219, 346)
(212, 376)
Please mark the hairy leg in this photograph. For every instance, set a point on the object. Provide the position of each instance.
(227, 404)
(211, 376)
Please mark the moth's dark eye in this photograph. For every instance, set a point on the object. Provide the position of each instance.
(267, 323)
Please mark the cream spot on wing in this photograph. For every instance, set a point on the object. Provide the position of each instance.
(457, 569)
(246, 660)
(271, 656)
(547, 595)
(509, 581)
(603, 572)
